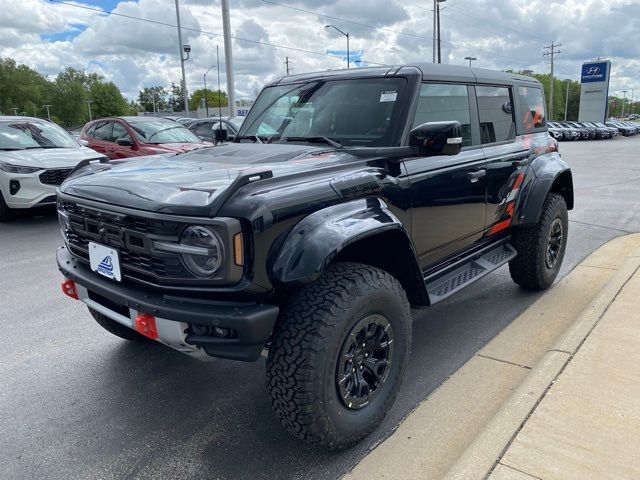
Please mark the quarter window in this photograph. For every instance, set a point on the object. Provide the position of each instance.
(441, 103)
(496, 114)
(532, 102)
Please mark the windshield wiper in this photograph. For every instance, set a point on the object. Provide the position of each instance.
(164, 130)
(320, 139)
(255, 138)
(10, 149)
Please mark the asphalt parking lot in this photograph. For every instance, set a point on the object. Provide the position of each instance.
(77, 402)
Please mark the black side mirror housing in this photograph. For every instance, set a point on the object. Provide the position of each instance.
(124, 142)
(436, 138)
(220, 135)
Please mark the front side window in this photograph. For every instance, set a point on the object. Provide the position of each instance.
(162, 131)
(102, 131)
(360, 112)
(119, 132)
(496, 114)
(442, 102)
(204, 129)
(532, 103)
(27, 134)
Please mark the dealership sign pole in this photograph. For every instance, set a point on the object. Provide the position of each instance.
(594, 91)
(228, 57)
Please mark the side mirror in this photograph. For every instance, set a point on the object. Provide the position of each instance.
(83, 142)
(124, 142)
(220, 135)
(436, 138)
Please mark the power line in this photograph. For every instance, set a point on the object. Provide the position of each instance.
(156, 22)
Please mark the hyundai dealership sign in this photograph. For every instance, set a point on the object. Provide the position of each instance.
(594, 72)
(594, 91)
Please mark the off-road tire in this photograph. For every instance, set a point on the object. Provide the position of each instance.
(116, 328)
(529, 268)
(5, 212)
(310, 335)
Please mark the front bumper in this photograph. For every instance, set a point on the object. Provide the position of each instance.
(176, 316)
(32, 191)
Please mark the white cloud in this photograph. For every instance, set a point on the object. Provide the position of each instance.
(134, 54)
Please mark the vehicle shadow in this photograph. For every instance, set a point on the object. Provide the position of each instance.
(213, 419)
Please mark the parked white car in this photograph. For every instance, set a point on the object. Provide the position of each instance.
(36, 156)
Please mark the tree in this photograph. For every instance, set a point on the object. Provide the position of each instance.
(107, 100)
(148, 95)
(176, 98)
(21, 87)
(215, 98)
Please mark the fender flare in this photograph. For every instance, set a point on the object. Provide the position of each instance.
(552, 174)
(313, 242)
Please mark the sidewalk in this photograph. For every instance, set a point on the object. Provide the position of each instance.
(556, 395)
(588, 423)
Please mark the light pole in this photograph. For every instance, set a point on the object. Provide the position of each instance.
(631, 103)
(89, 102)
(438, 2)
(153, 102)
(48, 115)
(186, 49)
(471, 59)
(15, 111)
(624, 97)
(346, 35)
(206, 102)
(566, 101)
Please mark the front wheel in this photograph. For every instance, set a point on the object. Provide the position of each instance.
(339, 354)
(5, 212)
(541, 247)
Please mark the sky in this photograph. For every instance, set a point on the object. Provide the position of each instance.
(101, 36)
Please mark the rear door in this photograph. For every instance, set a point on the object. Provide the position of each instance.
(447, 192)
(506, 157)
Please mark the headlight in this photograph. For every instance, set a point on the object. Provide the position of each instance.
(202, 251)
(7, 167)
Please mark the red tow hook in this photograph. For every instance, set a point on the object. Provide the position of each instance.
(146, 325)
(69, 289)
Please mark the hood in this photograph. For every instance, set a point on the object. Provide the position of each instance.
(188, 183)
(49, 157)
(178, 147)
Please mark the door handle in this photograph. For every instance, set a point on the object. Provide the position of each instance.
(475, 176)
(521, 163)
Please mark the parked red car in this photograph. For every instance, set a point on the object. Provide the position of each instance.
(124, 137)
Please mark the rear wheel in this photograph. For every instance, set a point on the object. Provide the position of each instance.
(116, 328)
(339, 354)
(541, 247)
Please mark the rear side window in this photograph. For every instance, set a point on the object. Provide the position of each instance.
(496, 114)
(203, 129)
(441, 103)
(532, 102)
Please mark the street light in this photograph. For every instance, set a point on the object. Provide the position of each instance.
(89, 102)
(346, 35)
(186, 49)
(206, 101)
(624, 97)
(15, 111)
(47, 107)
(471, 59)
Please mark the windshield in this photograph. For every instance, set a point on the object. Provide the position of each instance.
(159, 131)
(27, 134)
(359, 112)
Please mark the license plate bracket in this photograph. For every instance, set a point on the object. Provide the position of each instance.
(105, 261)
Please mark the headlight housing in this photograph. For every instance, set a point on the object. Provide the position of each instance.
(202, 251)
(7, 167)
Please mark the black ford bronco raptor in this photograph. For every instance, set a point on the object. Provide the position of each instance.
(346, 198)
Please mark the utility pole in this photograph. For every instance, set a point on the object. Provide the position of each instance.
(631, 104)
(551, 52)
(624, 97)
(566, 101)
(435, 2)
(48, 115)
(438, 18)
(286, 62)
(182, 59)
(89, 102)
(228, 57)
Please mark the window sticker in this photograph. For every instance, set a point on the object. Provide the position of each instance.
(388, 96)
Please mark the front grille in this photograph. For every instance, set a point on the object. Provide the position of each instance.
(55, 177)
(131, 236)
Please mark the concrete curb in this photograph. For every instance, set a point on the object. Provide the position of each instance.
(481, 457)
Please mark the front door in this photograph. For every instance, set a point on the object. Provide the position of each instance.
(447, 192)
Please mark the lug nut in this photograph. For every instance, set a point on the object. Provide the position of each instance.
(353, 370)
(366, 355)
(364, 345)
(361, 367)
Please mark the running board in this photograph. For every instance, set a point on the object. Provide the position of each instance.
(450, 281)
